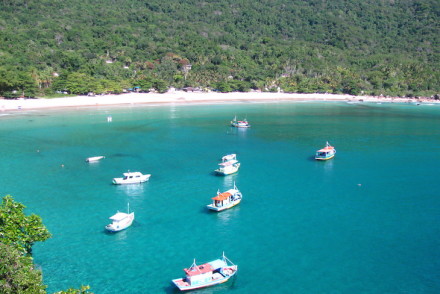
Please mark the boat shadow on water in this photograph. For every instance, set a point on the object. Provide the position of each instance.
(311, 158)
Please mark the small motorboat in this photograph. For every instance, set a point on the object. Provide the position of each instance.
(131, 178)
(120, 221)
(325, 153)
(226, 199)
(94, 158)
(240, 123)
(209, 274)
(229, 165)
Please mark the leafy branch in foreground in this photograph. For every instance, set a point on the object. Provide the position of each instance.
(18, 233)
(19, 230)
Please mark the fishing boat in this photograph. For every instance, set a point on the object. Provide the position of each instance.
(94, 158)
(325, 153)
(226, 199)
(240, 123)
(209, 274)
(120, 221)
(131, 178)
(229, 165)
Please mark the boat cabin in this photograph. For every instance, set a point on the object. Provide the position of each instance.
(134, 175)
(202, 274)
(119, 216)
(222, 199)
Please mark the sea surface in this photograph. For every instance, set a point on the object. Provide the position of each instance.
(367, 221)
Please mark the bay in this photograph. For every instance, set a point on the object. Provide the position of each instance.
(365, 222)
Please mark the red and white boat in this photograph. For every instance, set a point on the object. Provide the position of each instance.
(209, 274)
(240, 123)
(226, 199)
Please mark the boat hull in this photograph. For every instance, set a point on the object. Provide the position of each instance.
(324, 158)
(121, 181)
(215, 208)
(94, 158)
(240, 126)
(184, 286)
(121, 225)
(224, 171)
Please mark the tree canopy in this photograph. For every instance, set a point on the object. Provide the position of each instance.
(338, 46)
(18, 233)
(17, 273)
(17, 229)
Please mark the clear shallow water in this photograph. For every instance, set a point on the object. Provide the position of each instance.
(365, 222)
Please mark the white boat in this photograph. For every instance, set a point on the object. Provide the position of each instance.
(325, 153)
(94, 158)
(226, 199)
(120, 221)
(240, 123)
(131, 178)
(229, 165)
(209, 274)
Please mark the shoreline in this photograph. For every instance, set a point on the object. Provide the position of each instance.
(182, 97)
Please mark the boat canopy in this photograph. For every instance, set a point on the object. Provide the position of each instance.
(198, 269)
(132, 174)
(118, 216)
(229, 162)
(222, 196)
(326, 149)
(229, 157)
(218, 263)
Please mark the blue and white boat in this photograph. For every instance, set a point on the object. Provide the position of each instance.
(326, 153)
(209, 274)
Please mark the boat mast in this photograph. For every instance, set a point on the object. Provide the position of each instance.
(227, 259)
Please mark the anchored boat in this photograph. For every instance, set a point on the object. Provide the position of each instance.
(94, 158)
(131, 178)
(325, 153)
(209, 274)
(229, 165)
(120, 221)
(240, 123)
(226, 199)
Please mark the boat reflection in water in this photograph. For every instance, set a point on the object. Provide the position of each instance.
(131, 190)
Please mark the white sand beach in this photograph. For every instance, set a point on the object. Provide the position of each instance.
(184, 97)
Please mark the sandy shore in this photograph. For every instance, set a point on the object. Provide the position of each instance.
(182, 97)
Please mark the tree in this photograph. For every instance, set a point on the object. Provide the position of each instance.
(17, 273)
(17, 229)
(160, 85)
(83, 290)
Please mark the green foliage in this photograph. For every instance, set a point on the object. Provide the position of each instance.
(16, 83)
(160, 85)
(386, 46)
(82, 290)
(18, 230)
(17, 273)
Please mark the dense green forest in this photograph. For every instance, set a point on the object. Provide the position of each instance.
(374, 47)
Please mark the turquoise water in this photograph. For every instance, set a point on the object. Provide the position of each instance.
(367, 221)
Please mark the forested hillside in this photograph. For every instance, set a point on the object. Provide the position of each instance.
(388, 47)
